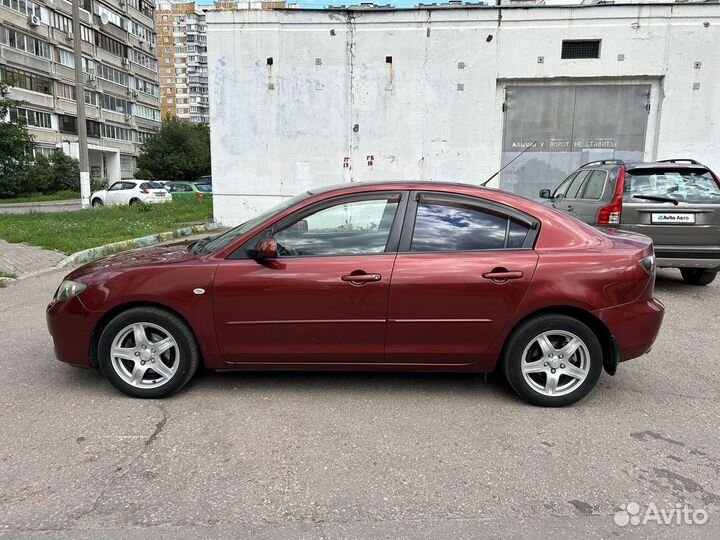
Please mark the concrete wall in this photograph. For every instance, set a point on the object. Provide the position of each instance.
(329, 99)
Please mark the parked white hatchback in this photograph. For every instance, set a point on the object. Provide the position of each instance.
(131, 192)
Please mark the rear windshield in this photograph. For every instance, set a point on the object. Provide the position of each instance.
(205, 188)
(691, 186)
(151, 185)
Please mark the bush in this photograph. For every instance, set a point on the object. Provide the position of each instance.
(59, 173)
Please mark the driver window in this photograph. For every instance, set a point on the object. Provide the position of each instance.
(350, 228)
(116, 186)
(561, 191)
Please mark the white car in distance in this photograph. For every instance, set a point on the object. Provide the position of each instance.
(131, 192)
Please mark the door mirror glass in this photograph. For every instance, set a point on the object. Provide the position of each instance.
(266, 249)
(545, 194)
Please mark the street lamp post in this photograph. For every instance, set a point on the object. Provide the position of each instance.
(80, 100)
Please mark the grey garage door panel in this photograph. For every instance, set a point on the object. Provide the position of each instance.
(571, 125)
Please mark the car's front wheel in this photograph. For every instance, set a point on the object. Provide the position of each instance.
(553, 360)
(148, 352)
(97, 203)
(698, 276)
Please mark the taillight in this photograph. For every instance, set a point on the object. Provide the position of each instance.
(648, 264)
(144, 191)
(610, 214)
(198, 195)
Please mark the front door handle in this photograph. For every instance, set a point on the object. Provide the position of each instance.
(361, 278)
(570, 207)
(501, 275)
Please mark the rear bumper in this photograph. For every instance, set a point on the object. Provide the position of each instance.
(667, 258)
(634, 326)
(71, 327)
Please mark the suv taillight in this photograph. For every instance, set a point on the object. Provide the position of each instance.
(610, 214)
(144, 191)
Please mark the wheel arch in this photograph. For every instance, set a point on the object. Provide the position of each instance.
(116, 310)
(610, 350)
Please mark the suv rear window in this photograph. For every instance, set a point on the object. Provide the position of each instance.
(695, 186)
(151, 185)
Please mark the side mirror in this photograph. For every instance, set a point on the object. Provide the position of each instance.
(545, 194)
(266, 249)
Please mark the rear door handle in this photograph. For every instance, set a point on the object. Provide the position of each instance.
(501, 275)
(359, 279)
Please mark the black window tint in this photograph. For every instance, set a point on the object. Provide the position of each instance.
(562, 188)
(576, 184)
(516, 235)
(349, 228)
(117, 186)
(129, 185)
(595, 185)
(455, 227)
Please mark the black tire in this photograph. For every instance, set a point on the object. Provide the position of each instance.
(97, 203)
(524, 336)
(697, 276)
(187, 354)
(134, 201)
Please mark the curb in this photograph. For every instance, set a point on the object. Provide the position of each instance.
(88, 255)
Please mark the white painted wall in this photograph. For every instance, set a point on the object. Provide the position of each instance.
(281, 129)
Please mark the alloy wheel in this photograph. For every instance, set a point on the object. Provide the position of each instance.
(555, 363)
(145, 355)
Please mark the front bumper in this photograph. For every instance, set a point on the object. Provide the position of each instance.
(71, 327)
(634, 326)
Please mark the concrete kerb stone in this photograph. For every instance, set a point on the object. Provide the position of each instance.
(91, 254)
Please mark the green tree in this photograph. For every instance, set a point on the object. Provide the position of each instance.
(16, 146)
(179, 151)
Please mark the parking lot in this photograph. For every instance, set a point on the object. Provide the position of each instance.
(279, 455)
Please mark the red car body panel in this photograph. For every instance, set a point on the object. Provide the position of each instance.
(431, 311)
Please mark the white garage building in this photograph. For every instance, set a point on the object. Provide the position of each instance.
(303, 98)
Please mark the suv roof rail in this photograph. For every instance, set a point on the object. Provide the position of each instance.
(678, 160)
(603, 162)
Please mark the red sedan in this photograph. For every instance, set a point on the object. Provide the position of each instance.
(384, 276)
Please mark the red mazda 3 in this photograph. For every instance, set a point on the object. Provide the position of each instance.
(371, 276)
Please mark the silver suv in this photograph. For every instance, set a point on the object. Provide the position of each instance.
(676, 202)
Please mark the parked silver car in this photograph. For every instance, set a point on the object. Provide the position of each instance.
(676, 202)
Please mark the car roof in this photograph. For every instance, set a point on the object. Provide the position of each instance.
(677, 163)
(394, 184)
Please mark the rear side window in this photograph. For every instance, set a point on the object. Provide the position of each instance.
(562, 188)
(205, 188)
(151, 185)
(574, 189)
(595, 185)
(450, 226)
(696, 186)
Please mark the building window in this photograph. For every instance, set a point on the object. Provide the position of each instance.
(113, 75)
(20, 78)
(67, 124)
(66, 58)
(146, 87)
(143, 60)
(93, 128)
(26, 7)
(67, 91)
(30, 118)
(18, 40)
(147, 113)
(116, 104)
(46, 151)
(580, 48)
(110, 45)
(113, 16)
(116, 132)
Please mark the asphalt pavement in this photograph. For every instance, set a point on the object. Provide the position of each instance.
(333, 455)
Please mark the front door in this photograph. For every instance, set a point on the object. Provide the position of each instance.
(324, 298)
(462, 270)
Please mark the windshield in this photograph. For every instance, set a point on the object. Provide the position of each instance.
(228, 237)
(690, 186)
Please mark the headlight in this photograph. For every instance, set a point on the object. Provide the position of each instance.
(68, 289)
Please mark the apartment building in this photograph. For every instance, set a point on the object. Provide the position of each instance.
(121, 90)
(182, 55)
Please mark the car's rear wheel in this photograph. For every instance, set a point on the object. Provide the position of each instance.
(698, 276)
(147, 352)
(97, 203)
(553, 360)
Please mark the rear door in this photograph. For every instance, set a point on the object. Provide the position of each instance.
(463, 267)
(588, 202)
(693, 221)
